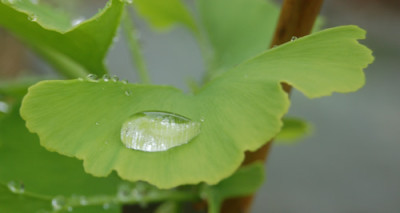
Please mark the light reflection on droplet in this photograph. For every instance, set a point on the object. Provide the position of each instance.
(157, 131)
(77, 21)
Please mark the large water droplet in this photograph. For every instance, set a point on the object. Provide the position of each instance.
(157, 131)
(58, 202)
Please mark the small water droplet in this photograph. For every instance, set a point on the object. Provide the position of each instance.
(116, 38)
(106, 206)
(15, 187)
(124, 192)
(77, 21)
(293, 38)
(92, 77)
(115, 78)
(97, 123)
(128, 92)
(128, 1)
(106, 77)
(80, 79)
(4, 108)
(83, 201)
(58, 202)
(157, 131)
(70, 208)
(124, 81)
(32, 17)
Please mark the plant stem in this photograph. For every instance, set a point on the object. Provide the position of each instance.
(297, 18)
(133, 40)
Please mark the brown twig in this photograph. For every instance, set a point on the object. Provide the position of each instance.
(297, 18)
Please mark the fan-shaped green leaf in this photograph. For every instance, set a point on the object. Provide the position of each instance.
(237, 29)
(73, 50)
(163, 14)
(238, 111)
(243, 182)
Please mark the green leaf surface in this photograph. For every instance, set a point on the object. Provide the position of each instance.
(73, 50)
(49, 174)
(164, 14)
(244, 182)
(293, 129)
(237, 29)
(239, 110)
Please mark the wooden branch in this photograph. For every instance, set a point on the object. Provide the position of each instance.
(297, 18)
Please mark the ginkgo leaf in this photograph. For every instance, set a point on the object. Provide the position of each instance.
(166, 13)
(24, 161)
(237, 30)
(73, 50)
(238, 111)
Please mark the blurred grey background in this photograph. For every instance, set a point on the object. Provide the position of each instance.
(351, 164)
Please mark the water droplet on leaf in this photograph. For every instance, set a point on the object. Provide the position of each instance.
(106, 77)
(115, 78)
(15, 187)
(293, 38)
(83, 201)
(77, 21)
(106, 206)
(157, 131)
(4, 108)
(32, 17)
(97, 123)
(92, 77)
(58, 202)
(124, 81)
(128, 92)
(70, 209)
(124, 192)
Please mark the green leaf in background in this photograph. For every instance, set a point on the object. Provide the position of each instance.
(244, 182)
(73, 50)
(46, 173)
(237, 29)
(239, 110)
(165, 13)
(293, 129)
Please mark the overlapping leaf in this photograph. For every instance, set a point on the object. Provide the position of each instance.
(236, 29)
(73, 50)
(163, 14)
(244, 182)
(292, 129)
(42, 173)
(240, 110)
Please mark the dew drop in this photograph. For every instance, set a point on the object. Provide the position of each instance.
(4, 108)
(157, 131)
(97, 123)
(124, 81)
(58, 202)
(106, 206)
(124, 192)
(32, 17)
(83, 201)
(106, 77)
(128, 92)
(77, 21)
(293, 38)
(15, 187)
(92, 77)
(115, 78)
(70, 209)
